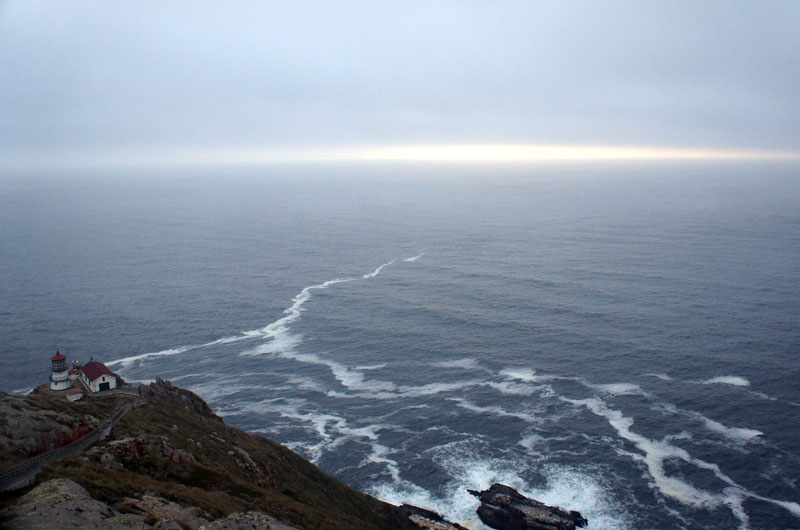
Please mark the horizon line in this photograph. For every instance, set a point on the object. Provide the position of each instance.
(516, 153)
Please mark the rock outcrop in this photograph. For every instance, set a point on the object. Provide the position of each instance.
(28, 430)
(161, 390)
(171, 463)
(504, 508)
(428, 520)
(248, 521)
(63, 503)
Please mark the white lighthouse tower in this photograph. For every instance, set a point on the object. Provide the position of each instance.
(59, 379)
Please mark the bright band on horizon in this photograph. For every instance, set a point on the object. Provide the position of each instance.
(537, 152)
(426, 153)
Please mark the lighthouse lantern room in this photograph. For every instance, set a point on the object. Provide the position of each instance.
(59, 379)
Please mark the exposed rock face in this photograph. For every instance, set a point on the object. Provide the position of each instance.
(428, 520)
(173, 464)
(504, 508)
(62, 503)
(118, 453)
(26, 430)
(161, 390)
(158, 508)
(258, 473)
(248, 521)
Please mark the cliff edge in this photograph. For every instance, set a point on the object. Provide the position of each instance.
(171, 463)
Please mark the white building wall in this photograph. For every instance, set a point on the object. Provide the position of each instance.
(94, 386)
(59, 380)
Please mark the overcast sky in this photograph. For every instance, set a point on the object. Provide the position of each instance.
(97, 76)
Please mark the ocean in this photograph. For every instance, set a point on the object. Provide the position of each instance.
(621, 340)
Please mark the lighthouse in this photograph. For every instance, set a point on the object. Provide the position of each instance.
(59, 379)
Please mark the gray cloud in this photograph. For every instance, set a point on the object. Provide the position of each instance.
(104, 75)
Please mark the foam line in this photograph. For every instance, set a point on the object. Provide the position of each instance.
(619, 389)
(494, 411)
(656, 452)
(737, 434)
(371, 366)
(466, 363)
(272, 330)
(663, 377)
(734, 380)
(527, 375)
(127, 361)
(293, 312)
(414, 258)
(465, 468)
(377, 271)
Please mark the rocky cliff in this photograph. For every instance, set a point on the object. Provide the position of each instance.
(171, 463)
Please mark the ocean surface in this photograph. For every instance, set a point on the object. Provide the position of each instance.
(622, 341)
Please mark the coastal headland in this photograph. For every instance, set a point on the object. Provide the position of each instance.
(161, 458)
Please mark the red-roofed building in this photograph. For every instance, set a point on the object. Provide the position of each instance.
(97, 377)
(74, 394)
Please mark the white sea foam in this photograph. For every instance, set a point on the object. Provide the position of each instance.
(466, 363)
(513, 389)
(656, 452)
(186, 376)
(737, 434)
(734, 433)
(762, 395)
(371, 367)
(275, 330)
(434, 388)
(414, 258)
(280, 327)
(373, 390)
(531, 441)
(734, 380)
(619, 389)
(333, 431)
(127, 361)
(524, 374)
(216, 389)
(495, 411)
(379, 455)
(663, 377)
(567, 488)
(377, 271)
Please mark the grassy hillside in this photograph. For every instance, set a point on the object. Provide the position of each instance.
(174, 446)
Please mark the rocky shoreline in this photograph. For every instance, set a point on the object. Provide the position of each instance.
(173, 464)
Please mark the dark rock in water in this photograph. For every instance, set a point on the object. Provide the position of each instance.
(428, 520)
(504, 508)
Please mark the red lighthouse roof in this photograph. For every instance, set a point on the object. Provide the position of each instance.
(58, 357)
